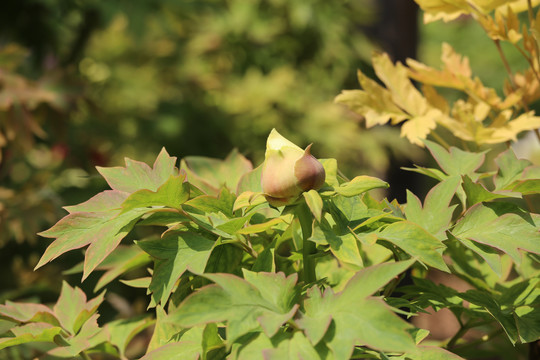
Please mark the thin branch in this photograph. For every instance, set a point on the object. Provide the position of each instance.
(505, 62)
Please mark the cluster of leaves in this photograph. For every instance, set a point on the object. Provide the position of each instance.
(209, 74)
(479, 116)
(233, 276)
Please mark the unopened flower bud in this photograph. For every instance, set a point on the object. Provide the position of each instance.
(288, 171)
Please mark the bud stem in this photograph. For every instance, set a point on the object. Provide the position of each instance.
(308, 247)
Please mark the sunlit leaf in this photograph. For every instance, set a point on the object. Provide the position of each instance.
(122, 260)
(456, 161)
(477, 192)
(173, 255)
(353, 317)
(501, 227)
(344, 247)
(173, 193)
(29, 333)
(102, 230)
(436, 214)
(415, 241)
(72, 308)
(137, 175)
(262, 300)
(359, 185)
(315, 203)
(124, 330)
(211, 174)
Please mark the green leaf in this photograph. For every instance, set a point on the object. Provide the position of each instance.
(90, 335)
(138, 175)
(257, 228)
(456, 162)
(173, 255)
(369, 280)
(30, 333)
(486, 301)
(431, 172)
(250, 181)
(124, 330)
(331, 169)
(210, 204)
(296, 347)
(173, 193)
(182, 350)
(210, 175)
(344, 247)
(510, 169)
(248, 199)
(233, 226)
(489, 254)
(352, 318)
(434, 353)
(365, 283)
(500, 226)
(436, 214)
(106, 200)
(211, 340)
(477, 193)
(315, 203)
(141, 283)
(225, 258)
(359, 185)
(263, 300)
(163, 330)
(72, 309)
(415, 241)
(527, 187)
(28, 312)
(122, 260)
(265, 261)
(102, 230)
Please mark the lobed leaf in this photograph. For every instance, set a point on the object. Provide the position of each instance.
(102, 230)
(30, 333)
(124, 330)
(415, 241)
(72, 308)
(137, 175)
(352, 317)
(173, 193)
(436, 214)
(262, 300)
(210, 175)
(344, 247)
(173, 255)
(501, 227)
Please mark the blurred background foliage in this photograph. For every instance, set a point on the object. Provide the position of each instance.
(86, 83)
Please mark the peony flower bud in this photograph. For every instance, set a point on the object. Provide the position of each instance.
(288, 171)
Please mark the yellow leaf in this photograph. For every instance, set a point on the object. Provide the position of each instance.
(456, 74)
(522, 123)
(396, 79)
(443, 10)
(528, 86)
(435, 99)
(449, 10)
(419, 127)
(374, 103)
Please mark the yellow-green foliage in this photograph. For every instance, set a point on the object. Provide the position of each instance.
(479, 116)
